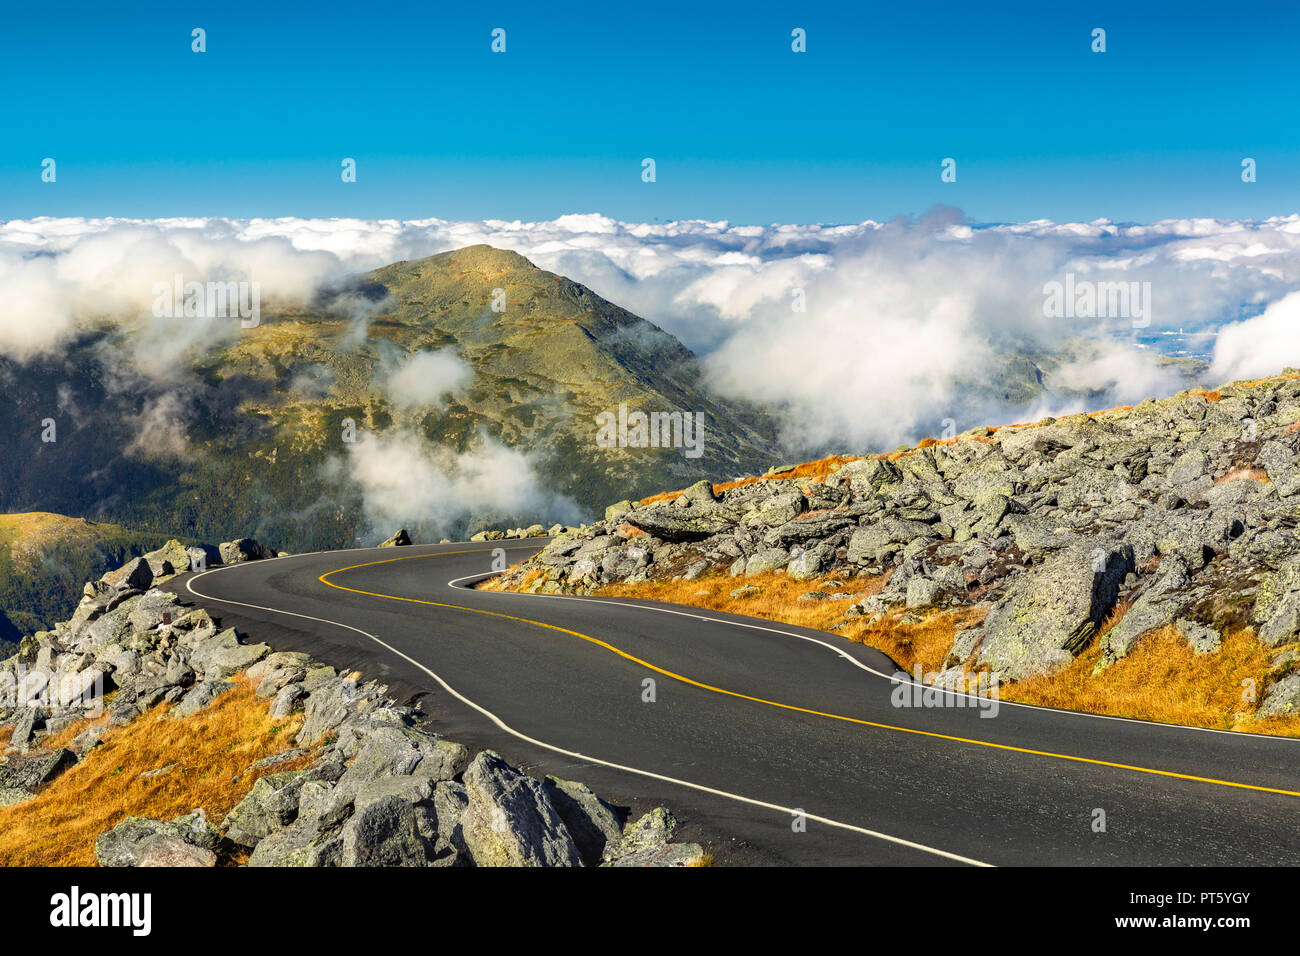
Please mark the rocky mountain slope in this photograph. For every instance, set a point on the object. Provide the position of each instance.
(43, 560)
(364, 781)
(218, 431)
(1086, 532)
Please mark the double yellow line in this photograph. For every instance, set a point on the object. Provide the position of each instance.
(324, 579)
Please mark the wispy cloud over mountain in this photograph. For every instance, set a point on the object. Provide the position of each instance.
(863, 333)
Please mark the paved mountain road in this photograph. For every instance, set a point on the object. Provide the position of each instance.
(752, 721)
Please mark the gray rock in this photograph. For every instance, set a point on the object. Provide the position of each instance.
(139, 841)
(32, 771)
(272, 683)
(510, 820)
(198, 697)
(288, 696)
(135, 574)
(30, 720)
(921, 592)
(163, 850)
(1156, 606)
(649, 833)
(224, 655)
(269, 806)
(681, 524)
(1203, 638)
(398, 540)
(384, 833)
(243, 549)
(769, 559)
(298, 845)
(1282, 699)
(871, 542)
(592, 822)
(1277, 604)
(11, 795)
(1051, 613)
(674, 854)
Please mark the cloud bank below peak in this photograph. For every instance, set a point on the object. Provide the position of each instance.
(861, 334)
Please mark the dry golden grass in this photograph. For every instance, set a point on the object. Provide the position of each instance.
(1163, 679)
(809, 469)
(1210, 397)
(210, 748)
(924, 643)
(1243, 471)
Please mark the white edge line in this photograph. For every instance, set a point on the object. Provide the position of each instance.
(760, 627)
(189, 586)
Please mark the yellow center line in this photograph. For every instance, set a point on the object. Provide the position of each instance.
(761, 700)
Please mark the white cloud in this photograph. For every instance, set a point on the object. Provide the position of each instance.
(904, 319)
(1260, 346)
(408, 483)
(426, 378)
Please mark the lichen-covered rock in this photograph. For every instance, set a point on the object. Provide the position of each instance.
(510, 820)
(224, 655)
(1051, 614)
(384, 833)
(139, 841)
(592, 822)
(1155, 607)
(243, 549)
(198, 697)
(36, 769)
(1277, 605)
(1282, 699)
(398, 540)
(135, 575)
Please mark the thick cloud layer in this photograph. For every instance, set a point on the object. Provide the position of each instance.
(862, 335)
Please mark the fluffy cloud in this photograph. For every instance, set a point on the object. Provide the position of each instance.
(406, 482)
(426, 377)
(905, 323)
(1260, 346)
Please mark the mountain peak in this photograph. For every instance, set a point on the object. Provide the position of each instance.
(482, 258)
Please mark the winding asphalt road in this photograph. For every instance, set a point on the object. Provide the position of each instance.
(772, 743)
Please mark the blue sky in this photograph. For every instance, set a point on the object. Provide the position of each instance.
(740, 127)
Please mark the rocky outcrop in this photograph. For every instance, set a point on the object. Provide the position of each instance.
(378, 788)
(244, 549)
(1181, 512)
(399, 540)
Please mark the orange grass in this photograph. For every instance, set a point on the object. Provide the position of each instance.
(1243, 471)
(1163, 679)
(924, 643)
(809, 469)
(210, 749)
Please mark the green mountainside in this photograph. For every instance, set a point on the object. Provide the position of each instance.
(243, 436)
(44, 561)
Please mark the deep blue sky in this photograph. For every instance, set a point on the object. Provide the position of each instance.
(741, 128)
